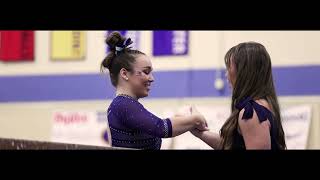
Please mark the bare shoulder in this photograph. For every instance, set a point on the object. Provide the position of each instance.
(256, 135)
(253, 123)
(264, 103)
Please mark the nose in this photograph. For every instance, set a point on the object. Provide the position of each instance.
(151, 78)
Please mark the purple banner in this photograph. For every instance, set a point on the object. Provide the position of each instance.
(170, 43)
(134, 35)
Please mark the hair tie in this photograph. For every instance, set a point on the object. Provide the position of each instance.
(125, 44)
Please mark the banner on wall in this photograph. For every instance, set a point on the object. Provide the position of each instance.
(134, 35)
(170, 43)
(296, 121)
(68, 45)
(16, 46)
(91, 128)
(80, 127)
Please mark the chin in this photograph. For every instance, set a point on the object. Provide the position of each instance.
(143, 95)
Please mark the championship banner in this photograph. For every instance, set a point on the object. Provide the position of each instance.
(68, 45)
(134, 35)
(16, 46)
(170, 43)
(81, 127)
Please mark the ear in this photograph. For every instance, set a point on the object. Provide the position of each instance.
(124, 74)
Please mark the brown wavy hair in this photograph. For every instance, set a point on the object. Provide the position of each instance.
(253, 79)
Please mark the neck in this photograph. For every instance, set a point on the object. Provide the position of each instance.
(125, 91)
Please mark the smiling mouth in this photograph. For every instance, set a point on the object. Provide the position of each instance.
(147, 86)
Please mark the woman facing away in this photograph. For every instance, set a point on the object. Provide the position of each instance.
(255, 121)
(131, 125)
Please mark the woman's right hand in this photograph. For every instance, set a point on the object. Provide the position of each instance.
(201, 123)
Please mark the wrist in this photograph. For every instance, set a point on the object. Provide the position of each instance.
(196, 119)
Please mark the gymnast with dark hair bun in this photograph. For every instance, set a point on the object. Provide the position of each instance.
(131, 125)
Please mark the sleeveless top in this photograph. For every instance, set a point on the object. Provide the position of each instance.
(263, 114)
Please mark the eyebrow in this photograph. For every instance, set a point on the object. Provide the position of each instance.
(148, 67)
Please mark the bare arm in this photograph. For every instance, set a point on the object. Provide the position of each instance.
(210, 138)
(256, 135)
(182, 124)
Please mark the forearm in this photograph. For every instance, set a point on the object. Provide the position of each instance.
(210, 138)
(182, 124)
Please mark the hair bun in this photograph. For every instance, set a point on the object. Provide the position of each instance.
(115, 39)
